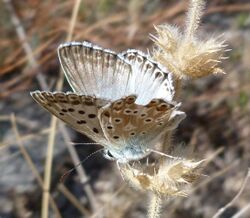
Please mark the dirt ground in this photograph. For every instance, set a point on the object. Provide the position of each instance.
(217, 107)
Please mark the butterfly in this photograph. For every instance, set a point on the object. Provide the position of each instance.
(122, 101)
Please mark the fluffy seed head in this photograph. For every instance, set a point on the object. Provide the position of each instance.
(165, 178)
(184, 53)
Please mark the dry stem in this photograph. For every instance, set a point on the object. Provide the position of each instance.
(25, 137)
(82, 175)
(244, 210)
(48, 165)
(74, 201)
(31, 163)
(204, 183)
(154, 206)
(97, 213)
(193, 18)
(223, 209)
(23, 39)
(34, 63)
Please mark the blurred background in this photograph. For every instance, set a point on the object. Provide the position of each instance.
(217, 107)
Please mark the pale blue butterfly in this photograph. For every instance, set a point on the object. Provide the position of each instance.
(122, 101)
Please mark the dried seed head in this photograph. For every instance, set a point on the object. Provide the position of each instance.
(166, 178)
(183, 53)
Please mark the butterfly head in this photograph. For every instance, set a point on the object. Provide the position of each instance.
(126, 154)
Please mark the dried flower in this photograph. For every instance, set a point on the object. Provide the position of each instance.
(185, 54)
(165, 178)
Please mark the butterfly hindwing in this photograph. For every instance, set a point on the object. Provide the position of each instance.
(78, 111)
(124, 120)
(150, 80)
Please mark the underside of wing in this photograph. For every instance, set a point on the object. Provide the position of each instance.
(92, 70)
(124, 122)
(78, 111)
(149, 79)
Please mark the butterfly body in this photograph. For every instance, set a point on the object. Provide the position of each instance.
(122, 101)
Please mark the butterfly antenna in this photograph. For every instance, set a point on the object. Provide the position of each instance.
(163, 154)
(83, 143)
(62, 179)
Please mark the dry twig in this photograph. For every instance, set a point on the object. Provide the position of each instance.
(223, 209)
(31, 163)
(74, 200)
(51, 141)
(23, 39)
(34, 63)
(242, 212)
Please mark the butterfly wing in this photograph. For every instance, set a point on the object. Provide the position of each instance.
(91, 70)
(125, 122)
(149, 79)
(78, 111)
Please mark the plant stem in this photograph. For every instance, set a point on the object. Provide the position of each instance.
(154, 206)
(53, 124)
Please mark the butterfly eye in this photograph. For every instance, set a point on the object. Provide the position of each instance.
(107, 154)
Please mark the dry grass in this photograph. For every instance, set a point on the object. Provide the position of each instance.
(28, 60)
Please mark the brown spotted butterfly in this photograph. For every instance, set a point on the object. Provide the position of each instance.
(122, 101)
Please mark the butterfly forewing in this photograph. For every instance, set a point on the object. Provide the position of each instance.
(78, 111)
(94, 71)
